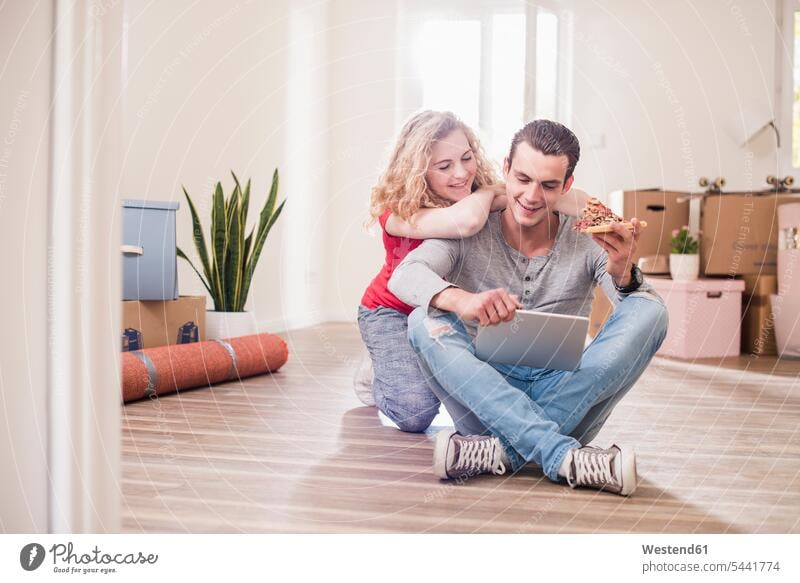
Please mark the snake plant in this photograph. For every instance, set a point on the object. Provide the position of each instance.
(228, 267)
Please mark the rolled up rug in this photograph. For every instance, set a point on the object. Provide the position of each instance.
(168, 369)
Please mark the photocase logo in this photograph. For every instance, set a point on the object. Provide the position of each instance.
(31, 556)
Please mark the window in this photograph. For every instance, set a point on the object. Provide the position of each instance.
(786, 114)
(495, 65)
(507, 96)
(446, 57)
(546, 64)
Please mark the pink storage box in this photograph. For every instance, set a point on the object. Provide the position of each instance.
(705, 316)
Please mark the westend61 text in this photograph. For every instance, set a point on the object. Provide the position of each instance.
(95, 556)
(670, 550)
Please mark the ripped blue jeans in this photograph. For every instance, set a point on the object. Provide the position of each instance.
(538, 414)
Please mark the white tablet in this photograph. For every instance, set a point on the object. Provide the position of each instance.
(535, 339)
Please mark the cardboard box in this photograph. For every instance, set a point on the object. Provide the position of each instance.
(163, 323)
(601, 311)
(704, 317)
(759, 285)
(661, 210)
(758, 326)
(739, 233)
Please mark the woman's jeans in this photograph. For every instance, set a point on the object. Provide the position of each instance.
(538, 414)
(401, 387)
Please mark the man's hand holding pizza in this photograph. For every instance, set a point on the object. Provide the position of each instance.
(620, 244)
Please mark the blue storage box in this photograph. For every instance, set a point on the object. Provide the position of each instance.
(149, 261)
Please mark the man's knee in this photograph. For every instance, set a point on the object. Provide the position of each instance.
(648, 319)
(657, 318)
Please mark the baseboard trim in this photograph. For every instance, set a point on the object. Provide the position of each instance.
(304, 320)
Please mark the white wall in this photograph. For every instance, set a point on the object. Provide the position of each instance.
(59, 349)
(206, 94)
(307, 168)
(25, 69)
(363, 110)
(665, 92)
(84, 271)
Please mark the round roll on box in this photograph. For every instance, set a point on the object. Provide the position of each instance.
(168, 369)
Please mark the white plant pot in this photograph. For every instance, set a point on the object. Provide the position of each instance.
(684, 267)
(221, 325)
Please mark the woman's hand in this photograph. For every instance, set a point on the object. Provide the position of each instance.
(499, 202)
(497, 189)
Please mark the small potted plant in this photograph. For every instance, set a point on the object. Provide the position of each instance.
(228, 266)
(684, 259)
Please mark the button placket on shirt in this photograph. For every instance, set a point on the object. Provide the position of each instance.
(532, 268)
(527, 280)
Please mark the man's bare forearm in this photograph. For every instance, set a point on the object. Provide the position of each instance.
(448, 299)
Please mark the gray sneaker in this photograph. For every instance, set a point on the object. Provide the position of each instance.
(612, 469)
(363, 378)
(457, 456)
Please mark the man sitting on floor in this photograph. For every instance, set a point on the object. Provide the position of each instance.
(528, 256)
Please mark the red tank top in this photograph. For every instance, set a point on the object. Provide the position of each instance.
(378, 294)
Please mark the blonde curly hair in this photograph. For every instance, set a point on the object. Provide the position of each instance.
(402, 188)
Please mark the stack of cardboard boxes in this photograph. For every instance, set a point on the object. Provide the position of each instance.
(758, 327)
(152, 312)
(738, 239)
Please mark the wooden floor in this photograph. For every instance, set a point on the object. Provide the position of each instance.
(717, 442)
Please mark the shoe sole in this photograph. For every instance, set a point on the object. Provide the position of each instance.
(363, 380)
(365, 396)
(440, 447)
(629, 476)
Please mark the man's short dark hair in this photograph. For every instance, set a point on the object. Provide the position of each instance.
(551, 139)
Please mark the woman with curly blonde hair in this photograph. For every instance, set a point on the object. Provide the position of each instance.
(438, 184)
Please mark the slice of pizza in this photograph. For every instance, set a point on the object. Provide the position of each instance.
(598, 218)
